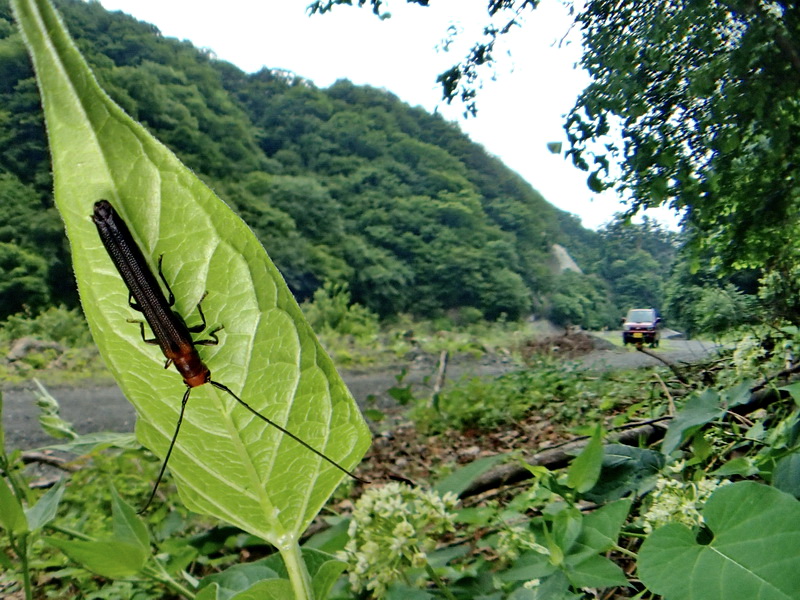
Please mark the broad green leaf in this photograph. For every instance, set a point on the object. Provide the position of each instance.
(128, 526)
(754, 552)
(460, 479)
(238, 578)
(332, 539)
(530, 565)
(208, 593)
(108, 558)
(601, 528)
(741, 465)
(12, 517)
(567, 528)
(794, 391)
(626, 470)
(44, 511)
(585, 469)
(786, 476)
(738, 394)
(271, 589)
(698, 411)
(596, 572)
(226, 462)
(326, 575)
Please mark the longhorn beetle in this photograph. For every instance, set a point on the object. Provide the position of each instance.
(170, 330)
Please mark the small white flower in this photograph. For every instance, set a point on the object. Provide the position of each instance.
(391, 530)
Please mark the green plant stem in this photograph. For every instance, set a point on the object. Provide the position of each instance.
(20, 548)
(625, 551)
(438, 581)
(70, 532)
(26, 573)
(298, 573)
(159, 574)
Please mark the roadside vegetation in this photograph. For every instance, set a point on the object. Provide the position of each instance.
(545, 478)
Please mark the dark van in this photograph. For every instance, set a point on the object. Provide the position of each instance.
(641, 326)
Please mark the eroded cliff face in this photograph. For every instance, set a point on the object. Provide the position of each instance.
(562, 261)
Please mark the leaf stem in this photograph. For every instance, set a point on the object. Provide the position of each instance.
(438, 581)
(159, 574)
(298, 573)
(20, 548)
(624, 551)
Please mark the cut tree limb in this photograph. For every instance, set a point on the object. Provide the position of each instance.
(555, 458)
(649, 433)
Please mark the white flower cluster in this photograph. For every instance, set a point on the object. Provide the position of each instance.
(393, 528)
(675, 501)
(515, 539)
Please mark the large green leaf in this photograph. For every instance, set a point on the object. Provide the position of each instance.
(108, 558)
(226, 462)
(44, 511)
(585, 469)
(12, 516)
(754, 553)
(699, 410)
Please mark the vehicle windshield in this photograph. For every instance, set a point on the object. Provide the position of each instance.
(644, 315)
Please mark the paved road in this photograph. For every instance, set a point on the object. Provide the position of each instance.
(104, 408)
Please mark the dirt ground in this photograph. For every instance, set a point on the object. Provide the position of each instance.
(95, 408)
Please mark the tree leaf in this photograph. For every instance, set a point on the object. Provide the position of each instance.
(226, 462)
(753, 553)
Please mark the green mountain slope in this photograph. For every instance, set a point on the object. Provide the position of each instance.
(341, 184)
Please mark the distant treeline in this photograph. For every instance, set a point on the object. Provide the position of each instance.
(346, 184)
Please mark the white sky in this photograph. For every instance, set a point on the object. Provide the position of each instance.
(520, 110)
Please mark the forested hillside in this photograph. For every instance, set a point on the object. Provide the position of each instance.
(346, 184)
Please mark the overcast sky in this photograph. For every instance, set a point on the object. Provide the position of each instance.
(521, 106)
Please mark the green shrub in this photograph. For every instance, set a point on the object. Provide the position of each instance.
(58, 324)
(332, 310)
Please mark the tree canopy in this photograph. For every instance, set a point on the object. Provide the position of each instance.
(692, 104)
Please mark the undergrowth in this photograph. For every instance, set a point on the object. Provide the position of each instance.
(714, 482)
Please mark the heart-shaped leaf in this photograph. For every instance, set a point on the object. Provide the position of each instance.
(754, 551)
(227, 462)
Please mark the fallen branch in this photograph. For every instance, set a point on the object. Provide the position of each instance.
(555, 458)
(649, 433)
(48, 459)
(672, 366)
